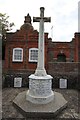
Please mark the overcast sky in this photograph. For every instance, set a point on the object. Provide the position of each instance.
(63, 13)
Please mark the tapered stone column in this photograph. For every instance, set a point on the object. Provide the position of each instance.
(40, 71)
(40, 84)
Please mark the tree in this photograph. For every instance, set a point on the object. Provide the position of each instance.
(4, 27)
(4, 24)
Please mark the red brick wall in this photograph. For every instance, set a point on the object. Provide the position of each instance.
(24, 40)
(27, 38)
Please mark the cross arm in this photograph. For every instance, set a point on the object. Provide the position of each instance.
(47, 19)
(36, 19)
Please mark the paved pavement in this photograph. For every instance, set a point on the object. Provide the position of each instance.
(9, 111)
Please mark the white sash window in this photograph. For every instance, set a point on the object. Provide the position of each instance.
(33, 54)
(17, 54)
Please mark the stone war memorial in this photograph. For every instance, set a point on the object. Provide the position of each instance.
(40, 101)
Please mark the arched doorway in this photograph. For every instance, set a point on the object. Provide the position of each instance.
(61, 57)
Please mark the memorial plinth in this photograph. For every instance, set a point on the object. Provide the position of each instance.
(40, 89)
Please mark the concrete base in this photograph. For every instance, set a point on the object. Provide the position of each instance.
(49, 110)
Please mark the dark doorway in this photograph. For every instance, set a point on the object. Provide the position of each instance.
(61, 57)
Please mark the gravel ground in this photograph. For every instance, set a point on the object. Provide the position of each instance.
(9, 111)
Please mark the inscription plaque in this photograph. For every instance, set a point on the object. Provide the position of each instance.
(63, 83)
(18, 82)
(40, 87)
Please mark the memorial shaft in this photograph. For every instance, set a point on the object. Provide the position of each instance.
(40, 71)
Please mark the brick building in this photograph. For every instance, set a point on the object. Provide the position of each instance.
(21, 52)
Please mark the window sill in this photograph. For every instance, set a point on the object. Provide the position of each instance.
(17, 61)
(33, 62)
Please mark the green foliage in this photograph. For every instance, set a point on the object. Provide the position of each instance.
(4, 24)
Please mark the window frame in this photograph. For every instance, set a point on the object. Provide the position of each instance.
(30, 60)
(17, 60)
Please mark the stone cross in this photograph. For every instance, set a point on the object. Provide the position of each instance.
(40, 71)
